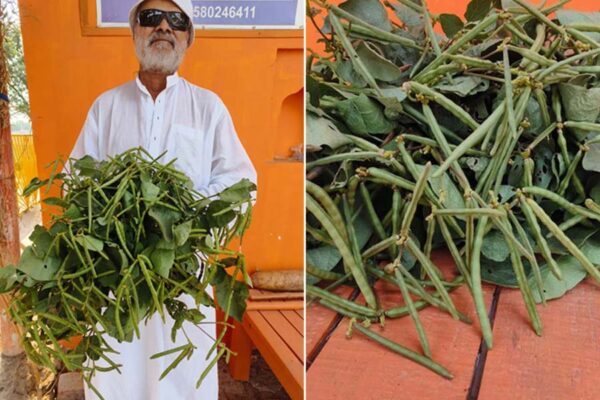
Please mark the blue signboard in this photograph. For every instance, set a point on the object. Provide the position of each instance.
(226, 14)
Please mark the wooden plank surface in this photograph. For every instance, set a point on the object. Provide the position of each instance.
(285, 364)
(562, 364)
(319, 320)
(274, 305)
(361, 369)
(258, 294)
(294, 319)
(286, 331)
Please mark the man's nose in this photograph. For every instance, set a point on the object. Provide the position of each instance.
(164, 25)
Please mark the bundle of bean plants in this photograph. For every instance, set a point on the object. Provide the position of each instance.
(483, 141)
(131, 237)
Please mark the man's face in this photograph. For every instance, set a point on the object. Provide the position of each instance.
(161, 48)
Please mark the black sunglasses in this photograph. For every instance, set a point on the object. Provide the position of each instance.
(152, 18)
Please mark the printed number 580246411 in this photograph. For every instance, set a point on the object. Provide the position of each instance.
(226, 12)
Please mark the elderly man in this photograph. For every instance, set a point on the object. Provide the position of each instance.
(161, 111)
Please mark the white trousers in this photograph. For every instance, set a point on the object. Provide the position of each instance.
(139, 375)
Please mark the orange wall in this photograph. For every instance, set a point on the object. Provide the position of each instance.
(260, 79)
(456, 7)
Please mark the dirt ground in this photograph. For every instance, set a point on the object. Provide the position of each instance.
(15, 378)
(263, 385)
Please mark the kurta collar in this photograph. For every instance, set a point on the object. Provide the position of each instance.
(171, 81)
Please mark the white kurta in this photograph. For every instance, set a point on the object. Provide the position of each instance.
(193, 125)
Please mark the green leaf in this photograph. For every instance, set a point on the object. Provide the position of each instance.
(451, 24)
(567, 17)
(395, 93)
(345, 70)
(591, 159)
(238, 192)
(34, 185)
(364, 116)
(502, 273)
(8, 277)
(162, 260)
(324, 258)
(150, 191)
(36, 268)
(370, 11)
(578, 235)
(591, 249)
(90, 242)
(87, 166)
(464, 85)
(194, 316)
(533, 113)
(55, 201)
(498, 273)
(572, 274)
(392, 100)
(476, 164)
(482, 48)
(542, 174)
(380, 67)
(224, 218)
(478, 9)
(445, 189)
(165, 218)
(495, 247)
(41, 240)
(73, 212)
(323, 132)
(414, 21)
(182, 233)
(222, 283)
(506, 193)
(581, 105)
(108, 274)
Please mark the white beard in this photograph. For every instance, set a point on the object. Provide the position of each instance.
(162, 57)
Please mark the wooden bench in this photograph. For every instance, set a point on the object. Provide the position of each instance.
(562, 364)
(276, 329)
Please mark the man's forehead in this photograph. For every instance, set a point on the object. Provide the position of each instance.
(165, 5)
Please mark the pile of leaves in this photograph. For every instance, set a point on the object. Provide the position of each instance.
(483, 141)
(132, 236)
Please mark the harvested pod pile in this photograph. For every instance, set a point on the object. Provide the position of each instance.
(485, 142)
(132, 237)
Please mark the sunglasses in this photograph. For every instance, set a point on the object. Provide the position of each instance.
(151, 18)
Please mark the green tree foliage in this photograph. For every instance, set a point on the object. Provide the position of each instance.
(13, 49)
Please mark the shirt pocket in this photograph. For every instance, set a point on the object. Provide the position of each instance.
(188, 148)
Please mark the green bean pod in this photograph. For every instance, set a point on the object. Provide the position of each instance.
(347, 304)
(413, 312)
(433, 273)
(411, 208)
(395, 347)
(471, 140)
(561, 201)
(476, 289)
(320, 195)
(534, 264)
(359, 66)
(443, 101)
(375, 221)
(322, 274)
(526, 292)
(342, 246)
(564, 240)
